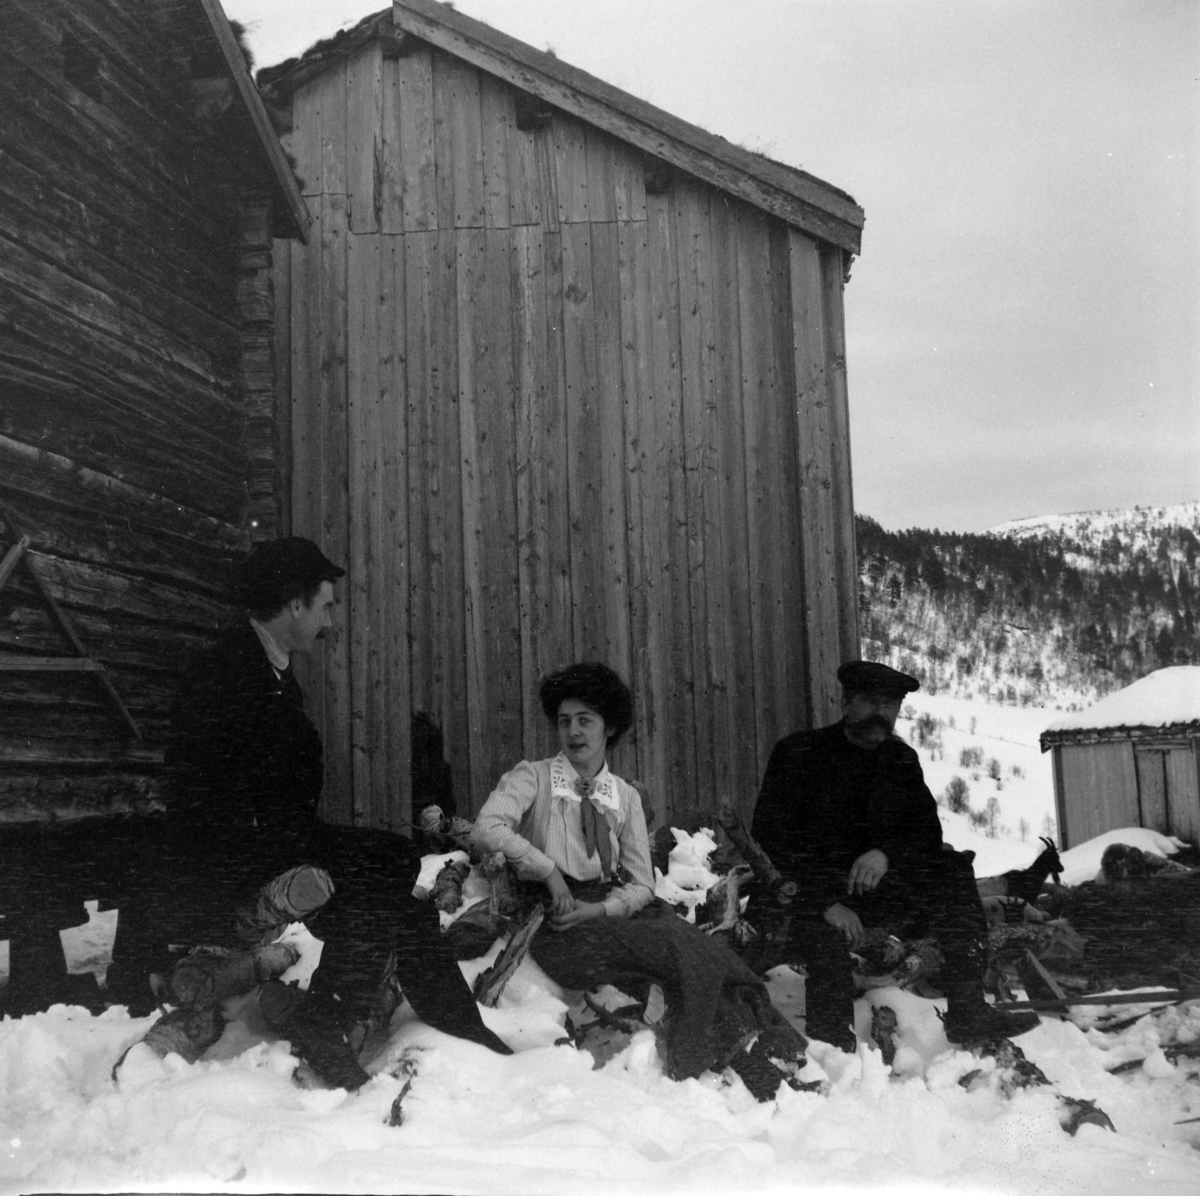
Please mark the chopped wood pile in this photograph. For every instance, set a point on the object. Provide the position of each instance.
(200, 983)
(1139, 927)
(1137, 932)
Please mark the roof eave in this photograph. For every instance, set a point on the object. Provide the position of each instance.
(1080, 736)
(289, 202)
(799, 199)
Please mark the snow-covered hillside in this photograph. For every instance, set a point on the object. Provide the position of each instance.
(993, 751)
(1057, 610)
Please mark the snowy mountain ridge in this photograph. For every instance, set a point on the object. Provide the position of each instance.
(1084, 535)
(1052, 611)
(1081, 524)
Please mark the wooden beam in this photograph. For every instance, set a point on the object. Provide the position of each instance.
(11, 559)
(286, 189)
(69, 631)
(800, 199)
(49, 664)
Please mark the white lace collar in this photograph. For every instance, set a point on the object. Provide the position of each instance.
(562, 783)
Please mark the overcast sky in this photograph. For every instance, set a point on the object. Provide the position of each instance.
(1023, 326)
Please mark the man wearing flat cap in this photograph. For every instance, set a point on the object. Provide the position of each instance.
(846, 816)
(248, 771)
(247, 760)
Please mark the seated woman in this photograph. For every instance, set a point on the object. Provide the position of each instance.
(573, 826)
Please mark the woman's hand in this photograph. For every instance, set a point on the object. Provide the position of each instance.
(584, 911)
(561, 901)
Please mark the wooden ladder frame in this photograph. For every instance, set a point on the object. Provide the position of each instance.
(81, 662)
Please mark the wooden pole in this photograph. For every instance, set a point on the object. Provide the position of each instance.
(1161, 997)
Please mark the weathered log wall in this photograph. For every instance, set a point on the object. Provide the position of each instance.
(551, 401)
(135, 322)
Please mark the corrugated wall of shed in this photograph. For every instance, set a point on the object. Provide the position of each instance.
(544, 415)
(1099, 787)
(122, 426)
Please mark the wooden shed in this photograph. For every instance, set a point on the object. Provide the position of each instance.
(142, 189)
(1132, 759)
(567, 381)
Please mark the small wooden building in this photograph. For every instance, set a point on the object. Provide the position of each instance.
(142, 192)
(566, 380)
(1132, 759)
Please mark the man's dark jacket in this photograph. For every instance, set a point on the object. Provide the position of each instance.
(824, 802)
(245, 755)
(249, 772)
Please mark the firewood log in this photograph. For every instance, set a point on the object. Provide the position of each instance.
(447, 888)
(503, 901)
(185, 1032)
(490, 984)
(782, 890)
(208, 975)
(292, 896)
(884, 1026)
(722, 908)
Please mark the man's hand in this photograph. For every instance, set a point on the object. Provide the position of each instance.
(845, 920)
(866, 871)
(584, 911)
(561, 901)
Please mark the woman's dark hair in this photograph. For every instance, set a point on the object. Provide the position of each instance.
(595, 685)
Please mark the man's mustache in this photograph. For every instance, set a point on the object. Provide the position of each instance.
(871, 720)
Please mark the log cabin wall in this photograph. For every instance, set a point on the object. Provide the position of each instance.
(135, 322)
(552, 400)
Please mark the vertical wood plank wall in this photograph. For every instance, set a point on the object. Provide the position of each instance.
(542, 415)
(1099, 783)
(1150, 782)
(1183, 790)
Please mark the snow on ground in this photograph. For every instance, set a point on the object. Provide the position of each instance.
(548, 1120)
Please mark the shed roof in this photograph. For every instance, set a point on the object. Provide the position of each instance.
(1166, 698)
(791, 194)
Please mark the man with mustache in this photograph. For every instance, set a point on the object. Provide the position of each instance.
(845, 815)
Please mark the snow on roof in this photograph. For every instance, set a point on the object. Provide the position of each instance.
(1165, 698)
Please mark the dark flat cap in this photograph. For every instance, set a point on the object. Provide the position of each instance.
(868, 677)
(278, 570)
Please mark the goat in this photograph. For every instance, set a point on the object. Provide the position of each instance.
(1027, 883)
(1019, 887)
